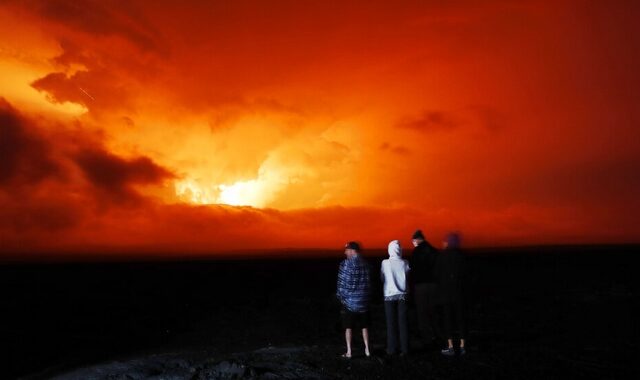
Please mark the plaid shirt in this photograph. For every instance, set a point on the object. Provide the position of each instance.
(354, 284)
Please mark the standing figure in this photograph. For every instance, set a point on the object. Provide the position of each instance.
(394, 271)
(353, 292)
(449, 273)
(422, 265)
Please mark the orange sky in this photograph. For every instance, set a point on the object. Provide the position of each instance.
(160, 126)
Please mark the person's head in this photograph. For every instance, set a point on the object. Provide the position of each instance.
(452, 241)
(394, 249)
(417, 238)
(351, 249)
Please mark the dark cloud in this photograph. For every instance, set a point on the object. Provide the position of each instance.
(31, 179)
(95, 88)
(25, 213)
(72, 53)
(614, 179)
(396, 149)
(108, 52)
(61, 88)
(115, 176)
(431, 121)
(230, 110)
(98, 18)
(40, 191)
(484, 119)
(25, 158)
(489, 118)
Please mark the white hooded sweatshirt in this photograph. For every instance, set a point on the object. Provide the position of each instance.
(394, 272)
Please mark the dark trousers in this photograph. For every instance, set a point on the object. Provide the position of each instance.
(453, 313)
(425, 298)
(396, 313)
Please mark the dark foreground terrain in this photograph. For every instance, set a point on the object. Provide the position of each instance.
(534, 313)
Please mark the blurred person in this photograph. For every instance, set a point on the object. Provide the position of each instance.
(449, 273)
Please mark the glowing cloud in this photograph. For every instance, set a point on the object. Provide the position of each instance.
(149, 122)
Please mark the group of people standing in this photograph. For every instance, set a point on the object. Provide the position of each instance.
(435, 278)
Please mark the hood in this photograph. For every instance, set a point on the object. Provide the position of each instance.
(394, 249)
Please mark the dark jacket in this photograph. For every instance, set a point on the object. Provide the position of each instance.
(422, 263)
(450, 275)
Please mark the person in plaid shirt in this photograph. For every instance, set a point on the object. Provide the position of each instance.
(353, 292)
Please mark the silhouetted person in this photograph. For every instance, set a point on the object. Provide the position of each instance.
(449, 272)
(394, 272)
(353, 292)
(425, 293)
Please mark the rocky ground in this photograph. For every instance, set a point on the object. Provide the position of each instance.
(323, 362)
(531, 316)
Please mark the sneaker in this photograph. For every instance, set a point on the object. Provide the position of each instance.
(448, 351)
(462, 351)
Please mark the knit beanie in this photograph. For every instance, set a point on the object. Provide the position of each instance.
(418, 235)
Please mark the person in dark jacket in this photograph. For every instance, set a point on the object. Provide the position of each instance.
(422, 270)
(449, 274)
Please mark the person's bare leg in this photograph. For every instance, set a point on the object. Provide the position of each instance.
(450, 343)
(461, 343)
(365, 337)
(347, 336)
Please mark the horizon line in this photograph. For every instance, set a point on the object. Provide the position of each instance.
(148, 255)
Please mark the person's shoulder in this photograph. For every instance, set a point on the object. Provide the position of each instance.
(424, 248)
(363, 263)
(361, 260)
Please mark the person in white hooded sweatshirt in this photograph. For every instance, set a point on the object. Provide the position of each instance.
(394, 272)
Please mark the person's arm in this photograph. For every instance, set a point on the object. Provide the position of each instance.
(367, 270)
(347, 281)
(408, 276)
(340, 287)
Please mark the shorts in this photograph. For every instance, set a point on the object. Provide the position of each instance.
(353, 319)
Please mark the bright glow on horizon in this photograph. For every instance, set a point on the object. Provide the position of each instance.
(240, 193)
(190, 191)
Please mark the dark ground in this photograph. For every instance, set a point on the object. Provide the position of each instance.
(566, 312)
